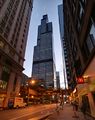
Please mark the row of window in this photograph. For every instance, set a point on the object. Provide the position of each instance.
(89, 43)
(72, 47)
(2, 3)
(5, 79)
(77, 10)
(13, 9)
(81, 11)
(15, 36)
(6, 16)
(11, 52)
(18, 26)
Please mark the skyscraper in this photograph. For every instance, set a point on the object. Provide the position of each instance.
(43, 62)
(66, 71)
(14, 25)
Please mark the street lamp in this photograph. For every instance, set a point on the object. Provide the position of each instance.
(29, 84)
(32, 82)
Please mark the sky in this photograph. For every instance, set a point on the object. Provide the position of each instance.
(40, 8)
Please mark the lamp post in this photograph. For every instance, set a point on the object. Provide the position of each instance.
(30, 83)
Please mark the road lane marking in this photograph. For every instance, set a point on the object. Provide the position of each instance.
(27, 114)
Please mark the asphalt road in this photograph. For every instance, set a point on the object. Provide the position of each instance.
(28, 113)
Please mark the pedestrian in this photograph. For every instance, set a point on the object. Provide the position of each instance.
(83, 108)
(57, 107)
(75, 106)
(61, 104)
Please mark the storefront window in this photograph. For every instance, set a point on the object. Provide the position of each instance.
(86, 102)
(4, 77)
(3, 84)
(93, 95)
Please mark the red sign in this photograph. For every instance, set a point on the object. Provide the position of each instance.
(80, 80)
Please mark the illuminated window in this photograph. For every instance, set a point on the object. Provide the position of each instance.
(1, 44)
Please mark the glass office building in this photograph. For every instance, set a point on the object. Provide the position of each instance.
(43, 62)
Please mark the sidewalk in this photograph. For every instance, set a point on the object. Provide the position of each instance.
(68, 114)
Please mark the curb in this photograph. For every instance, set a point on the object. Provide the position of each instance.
(42, 117)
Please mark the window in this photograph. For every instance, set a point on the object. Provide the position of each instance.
(92, 31)
(5, 35)
(7, 29)
(23, 35)
(22, 40)
(91, 36)
(78, 67)
(19, 60)
(10, 22)
(85, 52)
(21, 46)
(14, 85)
(14, 45)
(78, 25)
(0, 56)
(84, 2)
(13, 36)
(20, 52)
(89, 44)
(1, 44)
(5, 74)
(5, 17)
(73, 8)
(11, 52)
(1, 30)
(24, 30)
(81, 11)
(25, 26)
(12, 17)
(11, 42)
(2, 24)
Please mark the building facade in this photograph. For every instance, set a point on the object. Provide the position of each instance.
(57, 81)
(14, 25)
(79, 34)
(43, 62)
(66, 71)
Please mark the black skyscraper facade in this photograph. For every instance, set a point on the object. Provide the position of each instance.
(43, 65)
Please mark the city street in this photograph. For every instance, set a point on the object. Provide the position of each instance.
(47, 59)
(33, 112)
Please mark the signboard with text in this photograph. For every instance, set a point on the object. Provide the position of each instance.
(80, 80)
